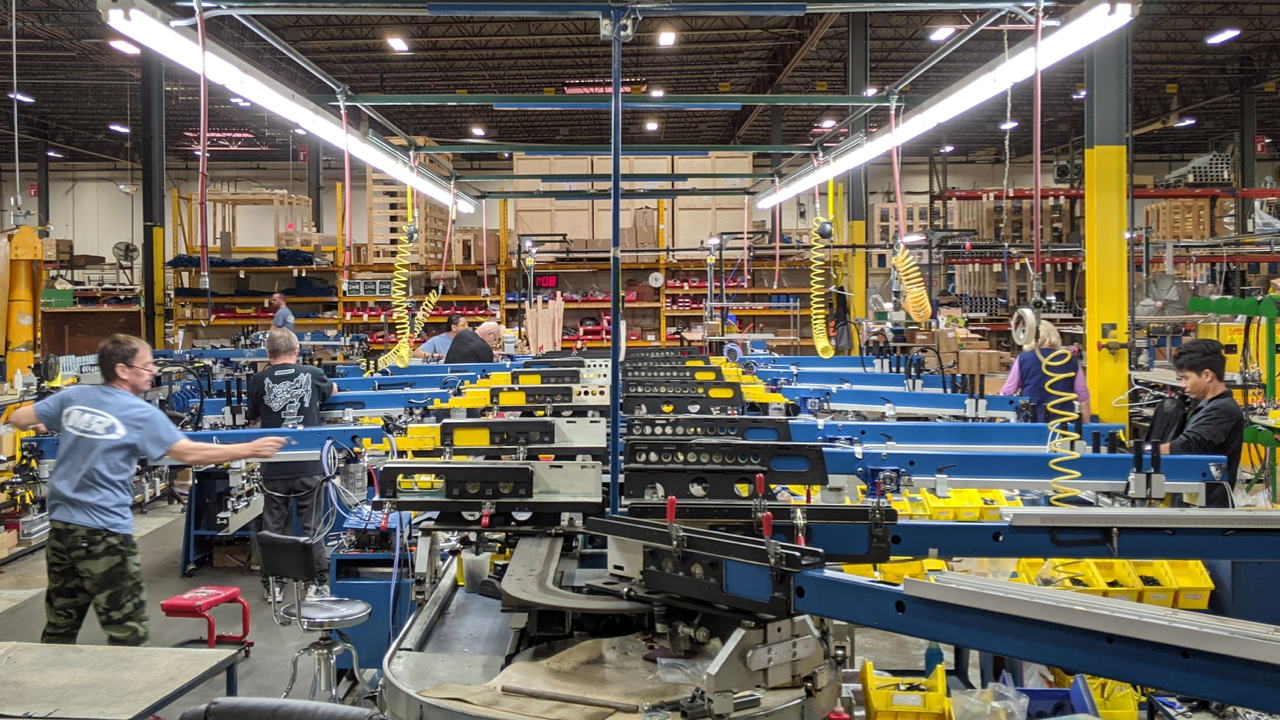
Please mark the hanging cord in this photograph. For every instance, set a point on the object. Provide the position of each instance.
(777, 239)
(204, 154)
(1036, 111)
(13, 45)
(448, 235)
(1061, 434)
(915, 293)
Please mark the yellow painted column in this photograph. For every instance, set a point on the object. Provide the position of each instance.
(157, 267)
(1106, 186)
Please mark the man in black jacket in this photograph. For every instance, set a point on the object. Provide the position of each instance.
(475, 346)
(1216, 423)
(287, 394)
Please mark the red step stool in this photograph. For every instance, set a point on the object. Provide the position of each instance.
(198, 602)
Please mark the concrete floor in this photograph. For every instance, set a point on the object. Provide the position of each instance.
(266, 672)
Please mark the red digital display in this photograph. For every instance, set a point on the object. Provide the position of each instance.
(548, 282)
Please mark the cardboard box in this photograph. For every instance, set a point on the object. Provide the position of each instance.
(491, 244)
(993, 383)
(9, 539)
(975, 344)
(57, 250)
(643, 290)
(949, 360)
(948, 341)
(920, 337)
(9, 444)
(231, 556)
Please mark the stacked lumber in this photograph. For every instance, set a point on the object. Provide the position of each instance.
(544, 324)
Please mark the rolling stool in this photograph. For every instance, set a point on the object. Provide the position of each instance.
(198, 602)
(293, 558)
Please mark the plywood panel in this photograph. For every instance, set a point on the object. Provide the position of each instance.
(533, 221)
(692, 226)
(570, 165)
(574, 223)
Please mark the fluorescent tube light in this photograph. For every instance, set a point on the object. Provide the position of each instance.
(942, 33)
(21, 97)
(1222, 36)
(1082, 27)
(141, 23)
(126, 47)
(398, 44)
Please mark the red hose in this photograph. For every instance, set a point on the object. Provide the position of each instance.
(448, 235)
(204, 149)
(484, 242)
(746, 244)
(346, 180)
(374, 476)
(897, 172)
(1035, 142)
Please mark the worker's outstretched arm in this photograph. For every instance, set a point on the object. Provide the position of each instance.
(189, 452)
(25, 419)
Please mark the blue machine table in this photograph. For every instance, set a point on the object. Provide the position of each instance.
(102, 682)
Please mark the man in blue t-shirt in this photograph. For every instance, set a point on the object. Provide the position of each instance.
(104, 430)
(438, 347)
(284, 316)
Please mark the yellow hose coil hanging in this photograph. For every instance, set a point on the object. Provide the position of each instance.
(400, 353)
(1061, 434)
(818, 288)
(915, 294)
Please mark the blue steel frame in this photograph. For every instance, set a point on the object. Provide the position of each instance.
(615, 265)
(836, 595)
(931, 433)
(951, 402)
(838, 377)
(1012, 466)
(300, 439)
(383, 383)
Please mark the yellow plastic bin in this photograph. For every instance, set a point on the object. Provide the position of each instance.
(1158, 585)
(896, 571)
(1075, 576)
(1194, 584)
(968, 505)
(866, 570)
(939, 508)
(1027, 570)
(1119, 579)
(994, 502)
(1115, 700)
(888, 698)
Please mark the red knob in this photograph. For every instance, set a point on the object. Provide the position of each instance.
(386, 521)
(800, 540)
(671, 508)
(760, 484)
(484, 519)
(766, 520)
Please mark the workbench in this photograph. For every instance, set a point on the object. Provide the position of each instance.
(103, 682)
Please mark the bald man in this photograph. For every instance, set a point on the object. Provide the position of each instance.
(475, 346)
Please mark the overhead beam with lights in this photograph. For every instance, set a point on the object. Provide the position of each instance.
(1086, 24)
(147, 26)
(599, 101)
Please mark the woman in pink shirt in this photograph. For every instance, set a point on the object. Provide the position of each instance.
(1027, 376)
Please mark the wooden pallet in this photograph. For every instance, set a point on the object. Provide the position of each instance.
(387, 214)
(883, 218)
(1010, 221)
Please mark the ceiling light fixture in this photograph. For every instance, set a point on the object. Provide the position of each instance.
(148, 26)
(117, 127)
(1185, 122)
(299, 131)
(713, 240)
(1008, 125)
(651, 125)
(477, 131)
(1222, 36)
(667, 38)
(21, 97)
(945, 149)
(1079, 94)
(53, 153)
(657, 91)
(398, 44)
(125, 47)
(870, 92)
(1083, 26)
(827, 124)
(942, 33)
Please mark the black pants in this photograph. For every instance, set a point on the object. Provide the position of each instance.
(277, 516)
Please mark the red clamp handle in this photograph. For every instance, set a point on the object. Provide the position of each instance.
(800, 540)
(760, 484)
(484, 518)
(386, 521)
(766, 521)
(671, 508)
(808, 494)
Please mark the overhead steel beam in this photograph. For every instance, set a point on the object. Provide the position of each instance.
(588, 8)
(599, 101)
(626, 177)
(858, 75)
(573, 149)
(824, 23)
(604, 194)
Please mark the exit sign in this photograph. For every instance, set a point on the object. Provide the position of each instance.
(33, 190)
(1259, 144)
(303, 152)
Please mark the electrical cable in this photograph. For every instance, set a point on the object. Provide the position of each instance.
(915, 292)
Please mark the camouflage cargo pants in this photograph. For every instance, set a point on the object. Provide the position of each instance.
(88, 566)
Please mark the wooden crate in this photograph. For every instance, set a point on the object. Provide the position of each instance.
(1011, 221)
(884, 220)
(1189, 219)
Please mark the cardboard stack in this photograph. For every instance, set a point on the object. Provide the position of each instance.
(645, 234)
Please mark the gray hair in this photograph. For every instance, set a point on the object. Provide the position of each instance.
(280, 343)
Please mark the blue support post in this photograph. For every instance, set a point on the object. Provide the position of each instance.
(615, 270)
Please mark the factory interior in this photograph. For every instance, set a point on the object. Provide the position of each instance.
(638, 360)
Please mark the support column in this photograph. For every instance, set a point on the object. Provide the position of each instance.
(1248, 157)
(314, 182)
(858, 73)
(42, 186)
(151, 140)
(618, 329)
(1105, 223)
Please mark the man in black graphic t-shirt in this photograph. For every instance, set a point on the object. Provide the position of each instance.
(286, 395)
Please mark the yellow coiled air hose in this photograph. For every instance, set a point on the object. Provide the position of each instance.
(914, 291)
(1061, 434)
(400, 353)
(818, 288)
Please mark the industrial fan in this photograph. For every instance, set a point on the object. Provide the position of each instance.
(126, 254)
(1161, 296)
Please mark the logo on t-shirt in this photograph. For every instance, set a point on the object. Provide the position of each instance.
(288, 397)
(91, 423)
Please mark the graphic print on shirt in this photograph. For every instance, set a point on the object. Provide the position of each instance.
(288, 398)
(92, 423)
